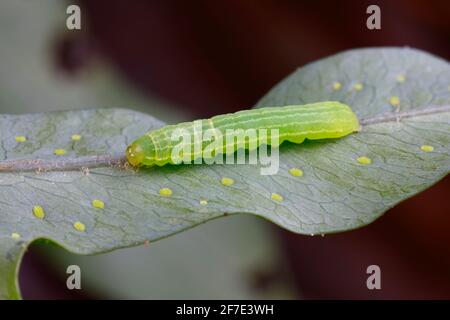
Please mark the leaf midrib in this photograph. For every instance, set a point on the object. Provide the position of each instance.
(118, 160)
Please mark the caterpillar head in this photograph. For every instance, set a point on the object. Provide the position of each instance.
(135, 154)
(141, 152)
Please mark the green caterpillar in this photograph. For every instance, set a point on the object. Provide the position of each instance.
(321, 120)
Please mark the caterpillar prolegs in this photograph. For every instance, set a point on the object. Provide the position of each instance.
(220, 135)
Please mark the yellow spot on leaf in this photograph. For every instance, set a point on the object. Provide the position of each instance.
(99, 204)
(15, 236)
(59, 152)
(400, 78)
(227, 181)
(165, 192)
(79, 226)
(76, 137)
(203, 202)
(364, 160)
(296, 172)
(277, 197)
(427, 148)
(337, 86)
(38, 212)
(358, 86)
(394, 101)
(21, 138)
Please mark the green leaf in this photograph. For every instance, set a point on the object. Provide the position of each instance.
(335, 193)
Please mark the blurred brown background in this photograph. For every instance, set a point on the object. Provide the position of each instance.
(211, 57)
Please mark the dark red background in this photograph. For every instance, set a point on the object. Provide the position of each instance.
(212, 57)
